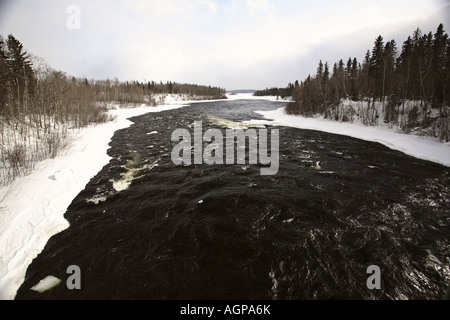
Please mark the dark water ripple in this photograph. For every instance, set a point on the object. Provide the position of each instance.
(226, 232)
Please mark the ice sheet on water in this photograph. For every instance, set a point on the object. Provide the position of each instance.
(46, 284)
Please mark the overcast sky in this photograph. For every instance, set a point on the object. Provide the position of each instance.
(234, 44)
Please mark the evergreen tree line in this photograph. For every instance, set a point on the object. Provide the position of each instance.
(279, 92)
(39, 104)
(412, 85)
(193, 91)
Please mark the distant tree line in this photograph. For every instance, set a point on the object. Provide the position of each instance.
(25, 90)
(190, 90)
(279, 92)
(418, 73)
(39, 104)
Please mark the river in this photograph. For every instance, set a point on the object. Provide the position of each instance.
(145, 228)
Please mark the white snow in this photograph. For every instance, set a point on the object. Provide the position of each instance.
(420, 147)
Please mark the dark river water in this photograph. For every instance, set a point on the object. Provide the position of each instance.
(144, 228)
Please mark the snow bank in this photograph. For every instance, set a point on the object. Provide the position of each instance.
(32, 208)
(420, 147)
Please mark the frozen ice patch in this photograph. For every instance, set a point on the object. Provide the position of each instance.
(46, 284)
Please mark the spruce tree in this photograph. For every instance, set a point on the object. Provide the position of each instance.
(319, 73)
(440, 71)
(20, 66)
(366, 80)
(389, 57)
(4, 79)
(403, 67)
(446, 98)
(376, 69)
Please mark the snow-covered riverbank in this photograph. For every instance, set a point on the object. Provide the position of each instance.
(32, 208)
(424, 148)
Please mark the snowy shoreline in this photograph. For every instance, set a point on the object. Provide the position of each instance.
(32, 208)
(424, 148)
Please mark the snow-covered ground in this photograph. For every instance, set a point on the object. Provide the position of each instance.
(424, 148)
(32, 208)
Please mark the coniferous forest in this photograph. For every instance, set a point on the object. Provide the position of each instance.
(405, 86)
